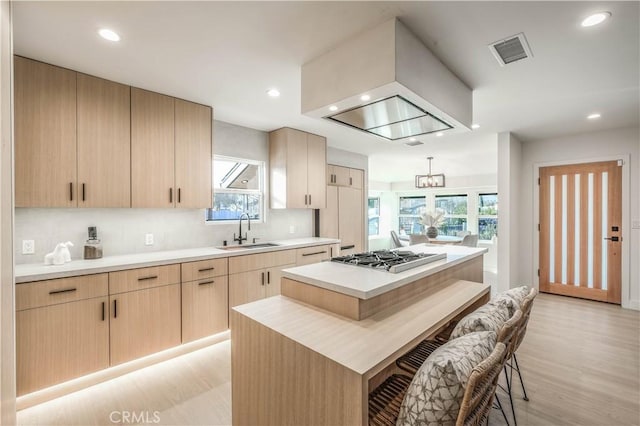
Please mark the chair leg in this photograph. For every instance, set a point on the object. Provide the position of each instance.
(515, 359)
(509, 386)
(502, 409)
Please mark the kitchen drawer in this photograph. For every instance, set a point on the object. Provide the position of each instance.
(52, 292)
(192, 271)
(138, 279)
(307, 255)
(251, 262)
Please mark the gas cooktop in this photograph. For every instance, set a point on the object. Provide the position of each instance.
(389, 260)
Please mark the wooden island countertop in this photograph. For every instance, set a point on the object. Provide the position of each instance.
(303, 358)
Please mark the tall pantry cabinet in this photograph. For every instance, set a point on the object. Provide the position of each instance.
(343, 217)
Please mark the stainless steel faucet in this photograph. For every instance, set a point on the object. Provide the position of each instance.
(240, 238)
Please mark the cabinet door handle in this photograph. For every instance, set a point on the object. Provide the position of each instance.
(309, 199)
(330, 251)
(263, 278)
(83, 192)
(102, 311)
(347, 247)
(179, 194)
(115, 308)
(350, 181)
(170, 195)
(66, 290)
(206, 269)
(268, 277)
(206, 282)
(305, 199)
(150, 277)
(314, 253)
(70, 191)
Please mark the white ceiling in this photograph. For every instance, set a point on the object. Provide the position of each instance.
(227, 54)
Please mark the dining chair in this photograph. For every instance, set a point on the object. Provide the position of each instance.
(462, 233)
(395, 240)
(418, 239)
(470, 240)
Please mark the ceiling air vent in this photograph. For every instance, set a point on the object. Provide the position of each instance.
(414, 143)
(511, 49)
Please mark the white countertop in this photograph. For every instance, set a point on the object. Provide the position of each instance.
(365, 283)
(38, 271)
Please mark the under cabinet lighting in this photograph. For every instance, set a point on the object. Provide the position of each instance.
(595, 19)
(108, 34)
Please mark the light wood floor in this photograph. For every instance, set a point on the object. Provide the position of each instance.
(580, 360)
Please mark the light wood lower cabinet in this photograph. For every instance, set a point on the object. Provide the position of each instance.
(254, 285)
(143, 322)
(205, 307)
(60, 342)
(309, 255)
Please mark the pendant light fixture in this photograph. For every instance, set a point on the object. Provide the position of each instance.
(430, 180)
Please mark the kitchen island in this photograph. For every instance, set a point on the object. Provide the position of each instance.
(302, 358)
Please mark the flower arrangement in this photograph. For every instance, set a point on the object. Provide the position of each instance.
(432, 219)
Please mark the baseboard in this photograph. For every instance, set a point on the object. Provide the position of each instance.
(56, 391)
(632, 304)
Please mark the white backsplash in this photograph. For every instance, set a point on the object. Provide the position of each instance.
(122, 231)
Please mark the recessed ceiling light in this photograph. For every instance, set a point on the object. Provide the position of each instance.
(274, 93)
(475, 126)
(108, 34)
(245, 181)
(595, 19)
(365, 97)
(439, 134)
(333, 108)
(412, 139)
(593, 116)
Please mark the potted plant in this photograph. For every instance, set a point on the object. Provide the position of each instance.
(431, 221)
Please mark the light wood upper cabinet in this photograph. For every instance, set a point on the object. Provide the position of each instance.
(329, 215)
(356, 178)
(297, 169)
(345, 176)
(104, 143)
(193, 163)
(171, 153)
(45, 135)
(152, 149)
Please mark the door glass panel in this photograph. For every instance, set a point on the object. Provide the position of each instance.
(576, 269)
(590, 231)
(552, 228)
(605, 226)
(564, 229)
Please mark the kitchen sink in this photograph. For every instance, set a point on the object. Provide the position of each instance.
(249, 246)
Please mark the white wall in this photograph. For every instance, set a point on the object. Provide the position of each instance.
(583, 147)
(7, 338)
(122, 230)
(509, 170)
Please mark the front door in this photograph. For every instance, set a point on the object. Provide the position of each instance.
(581, 230)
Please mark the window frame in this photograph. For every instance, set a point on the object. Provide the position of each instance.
(452, 215)
(260, 191)
(369, 198)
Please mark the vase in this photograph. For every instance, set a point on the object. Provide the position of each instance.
(432, 232)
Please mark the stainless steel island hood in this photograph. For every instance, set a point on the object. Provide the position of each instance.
(386, 82)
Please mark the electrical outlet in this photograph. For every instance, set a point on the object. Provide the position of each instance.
(148, 239)
(28, 247)
(292, 229)
(635, 224)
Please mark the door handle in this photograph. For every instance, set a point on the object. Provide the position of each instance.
(614, 239)
(170, 195)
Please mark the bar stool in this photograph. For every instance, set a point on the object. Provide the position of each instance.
(387, 402)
